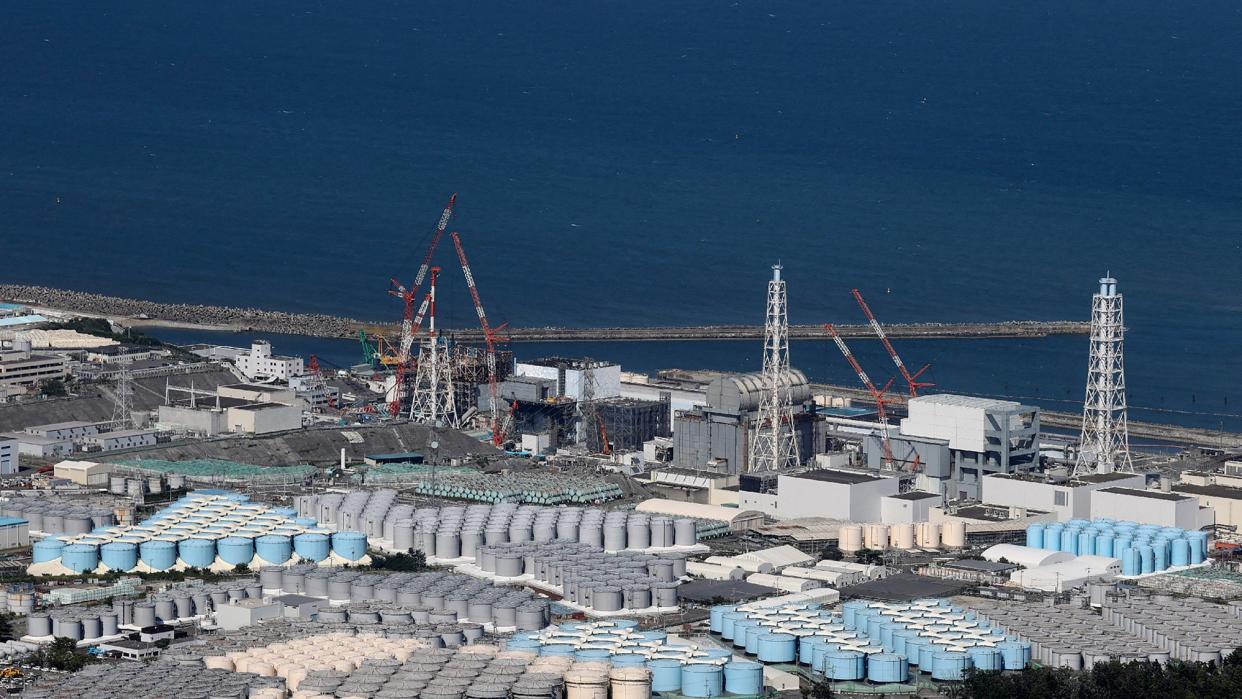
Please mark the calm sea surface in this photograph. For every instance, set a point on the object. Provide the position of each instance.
(645, 163)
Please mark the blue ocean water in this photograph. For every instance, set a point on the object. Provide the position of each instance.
(645, 163)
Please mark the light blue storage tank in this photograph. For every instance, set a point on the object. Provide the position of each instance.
(349, 545)
(728, 622)
(197, 553)
(1016, 654)
(47, 550)
(819, 654)
(306, 521)
(753, 634)
(849, 610)
(1199, 541)
(557, 649)
(1086, 544)
(927, 656)
(629, 660)
(665, 674)
(1123, 541)
(1147, 559)
(1130, 564)
(887, 667)
(1104, 544)
(886, 634)
(777, 647)
(623, 624)
(159, 555)
(285, 511)
(805, 646)
(312, 547)
(1180, 555)
(1069, 541)
(274, 548)
(845, 665)
(1160, 555)
(522, 644)
(950, 665)
(1052, 537)
(741, 630)
(1035, 536)
(715, 618)
(593, 654)
(743, 677)
(80, 557)
(235, 550)
(873, 627)
(655, 635)
(900, 639)
(985, 658)
(702, 680)
(119, 555)
(914, 650)
(715, 653)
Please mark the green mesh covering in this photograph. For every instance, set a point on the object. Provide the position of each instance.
(218, 469)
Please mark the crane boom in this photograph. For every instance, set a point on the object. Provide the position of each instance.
(490, 337)
(876, 394)
(912, 383)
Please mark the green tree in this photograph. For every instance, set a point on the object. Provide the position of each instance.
(53, 388)
(6, 626)
(831, 553)
(821, 690)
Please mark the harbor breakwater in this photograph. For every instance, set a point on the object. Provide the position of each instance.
(139, 312)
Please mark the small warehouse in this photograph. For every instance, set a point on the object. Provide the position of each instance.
(738, 520)
(86, 473)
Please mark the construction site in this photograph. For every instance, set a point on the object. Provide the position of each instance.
(690, 534)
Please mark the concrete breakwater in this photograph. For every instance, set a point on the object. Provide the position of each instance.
(138, 312)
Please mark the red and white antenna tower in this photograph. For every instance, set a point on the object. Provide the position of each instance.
(876, 394)
(491, 336)
(434, 400)
(912, 383)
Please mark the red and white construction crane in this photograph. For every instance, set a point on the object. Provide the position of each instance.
(409, 322)
(876, 394)
(491, 337)
(912, 383)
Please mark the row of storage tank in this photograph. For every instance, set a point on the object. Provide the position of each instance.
(682, 668)
(455, 532)
(1135, 628)
(905, 536)
(167, 553)
(50, 516)
(537, 489)
(876, 641)
(1142, 548)
(587, 576)
(201, 530)
(165, 678)
(137, 485)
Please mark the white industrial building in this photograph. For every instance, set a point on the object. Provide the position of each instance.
(908, 508)
(64, 431)
(1067, 498)
(262, 418)
(570, 376)
(852, 496)
(1059, 577)
(22, 369)
(14, 533)
(8, 455)
(39, 447)
(260, 363)
(958, 440)
(1148, 507)
(119, 439)
(1025, 556)
(1225, 501)
(85, 473)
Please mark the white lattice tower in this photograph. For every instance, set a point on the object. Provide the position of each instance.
(434, 399)
(123, 401)
(1104, 446)
(775, 445)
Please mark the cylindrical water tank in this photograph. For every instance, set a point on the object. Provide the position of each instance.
(274, 548)
(91, 627)
(144, 614)
(1180, 553)
(685, 532)
(743, 677)
(666, 674)
(108, 623)
(638, 533)
(39, 624)
(985, 658)
(630, 683)
(953, 533)
(312, 547)
(271, 577)
(949, 665)
(158, 554)
(165, 610)
(47, 550)
(235, 550)
(1035, 536)
(777, 647)
(887, 667)
(902, 536)
(844, 665)
(349, 545)
(197, 553)
(119, 555)
(702, 680)
(80, 557)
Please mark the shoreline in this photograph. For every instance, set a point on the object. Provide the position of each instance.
(138, 313)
